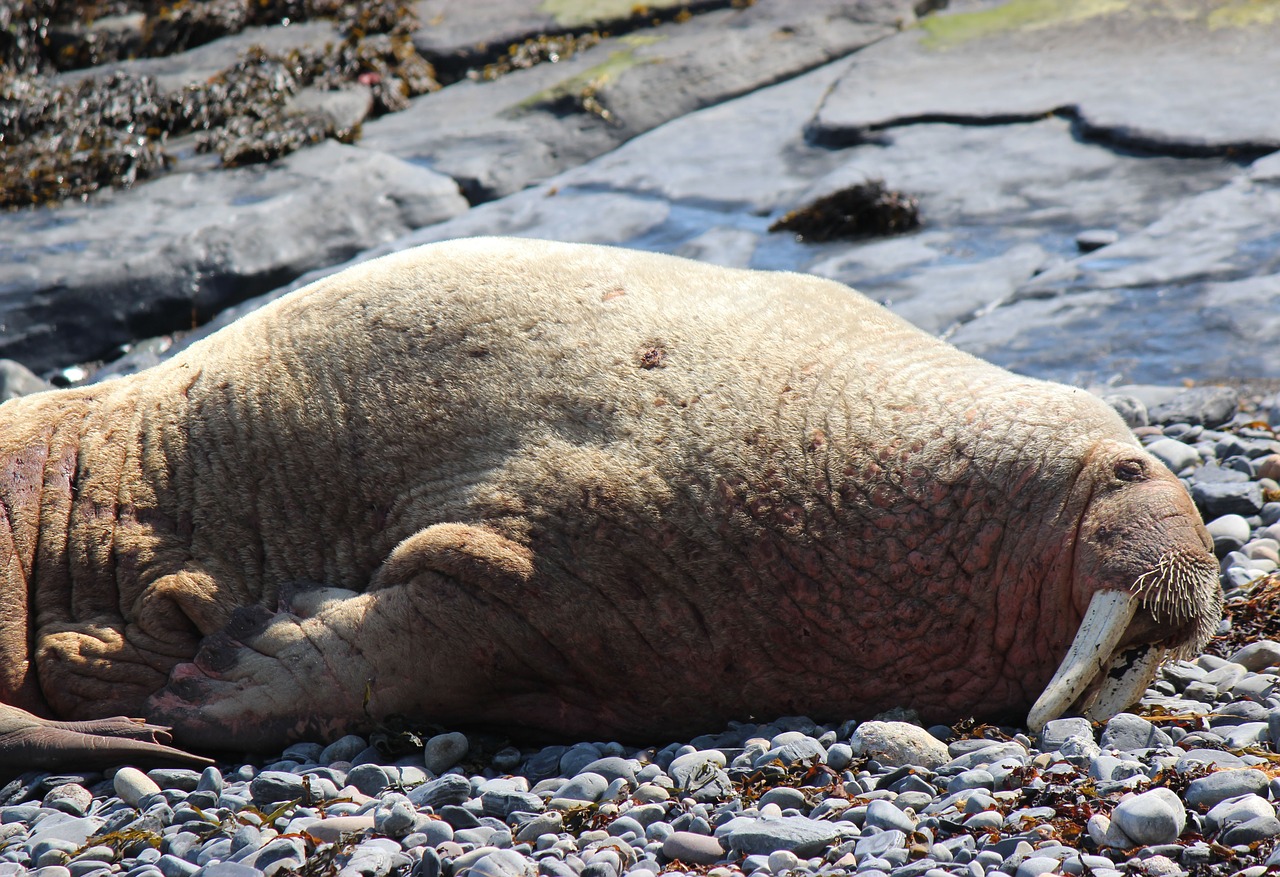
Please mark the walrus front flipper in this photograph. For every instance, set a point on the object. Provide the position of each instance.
(28, 741)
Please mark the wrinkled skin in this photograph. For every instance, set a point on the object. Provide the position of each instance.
(572, 489)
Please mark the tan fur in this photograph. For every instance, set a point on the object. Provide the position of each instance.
(536, 473)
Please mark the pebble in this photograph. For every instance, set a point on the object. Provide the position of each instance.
(1153, 817)
(693, 849)
(897, 744)
(443, 751)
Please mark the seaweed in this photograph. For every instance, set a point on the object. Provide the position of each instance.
(62, 140)
(867, 209)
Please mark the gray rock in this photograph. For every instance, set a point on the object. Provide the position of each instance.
(1208, 406)
(1130, 408)
(897, 744)
(577, 757)
(839, 756)
(1127, 732)
(448, 789)
(273, 786)
(1235, 811)
(443, 751)
(1152, 817)
(965, 82)
(612, 768)
(1229, 533)
(370, 779)
(1257, 656)
(131, 785)
(585, 787)
(1055, 733)
(877, 845)
(70, 798)
(194, 243)
(1174, 454)
(342, 749)
(500, 863)
(1217, 499)
(693, 849)
(799, 835)
(1251, 831)
(883, 815)
(784, 797)
(1208, 791)
(501, 803)
(18, 380)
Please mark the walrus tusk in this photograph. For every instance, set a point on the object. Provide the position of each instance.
(1101, 630)
(1126, 680)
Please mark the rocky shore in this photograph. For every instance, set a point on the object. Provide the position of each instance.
(1097, 189)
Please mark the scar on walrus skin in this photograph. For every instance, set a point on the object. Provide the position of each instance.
(578, 490)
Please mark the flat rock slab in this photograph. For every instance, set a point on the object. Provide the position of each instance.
(498, 137)
(78, 280)
(1138, 74)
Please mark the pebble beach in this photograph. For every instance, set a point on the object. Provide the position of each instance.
(1184, 784)
(1077, 226)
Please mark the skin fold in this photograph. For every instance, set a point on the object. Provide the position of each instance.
(575, 489)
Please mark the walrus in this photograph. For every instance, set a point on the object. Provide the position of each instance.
(581, 490)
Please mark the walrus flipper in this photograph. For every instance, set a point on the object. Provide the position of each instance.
(28, 741)
(331, 662)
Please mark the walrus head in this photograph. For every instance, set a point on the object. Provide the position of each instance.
(1144, 564)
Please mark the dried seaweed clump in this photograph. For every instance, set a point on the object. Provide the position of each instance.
(1254, 614)
(865, 210)
(535, 51)
(65, 139)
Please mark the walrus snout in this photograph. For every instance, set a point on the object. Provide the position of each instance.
(1146, 563)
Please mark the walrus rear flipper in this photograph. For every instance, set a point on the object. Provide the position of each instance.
(442, 619)
(28, 741)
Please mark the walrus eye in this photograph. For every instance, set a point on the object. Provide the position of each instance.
(1130, 470)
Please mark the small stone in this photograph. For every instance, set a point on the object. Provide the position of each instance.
(1174, 454)
(1239, 498)
(1229, 533)
(1217, 787)
(612, 767)
(499, 863)
(274, 786)
(1234, 811)
(448, 789)
(395, 817)
(1203, 406)
(70, 798)
(585, 787)
(330, 829)
(369, 779)
(342, 749)
(1055, 732)
(883, 815)
(443, 751)
(1128, 732)
(1258, 656)
(839, 756)
(1251, 831)
(1153, 817)
(132, 785)
(784, 797)
(897, 744)
(1132, 410)
(800, 835)
(693, 849)
(781, 861)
